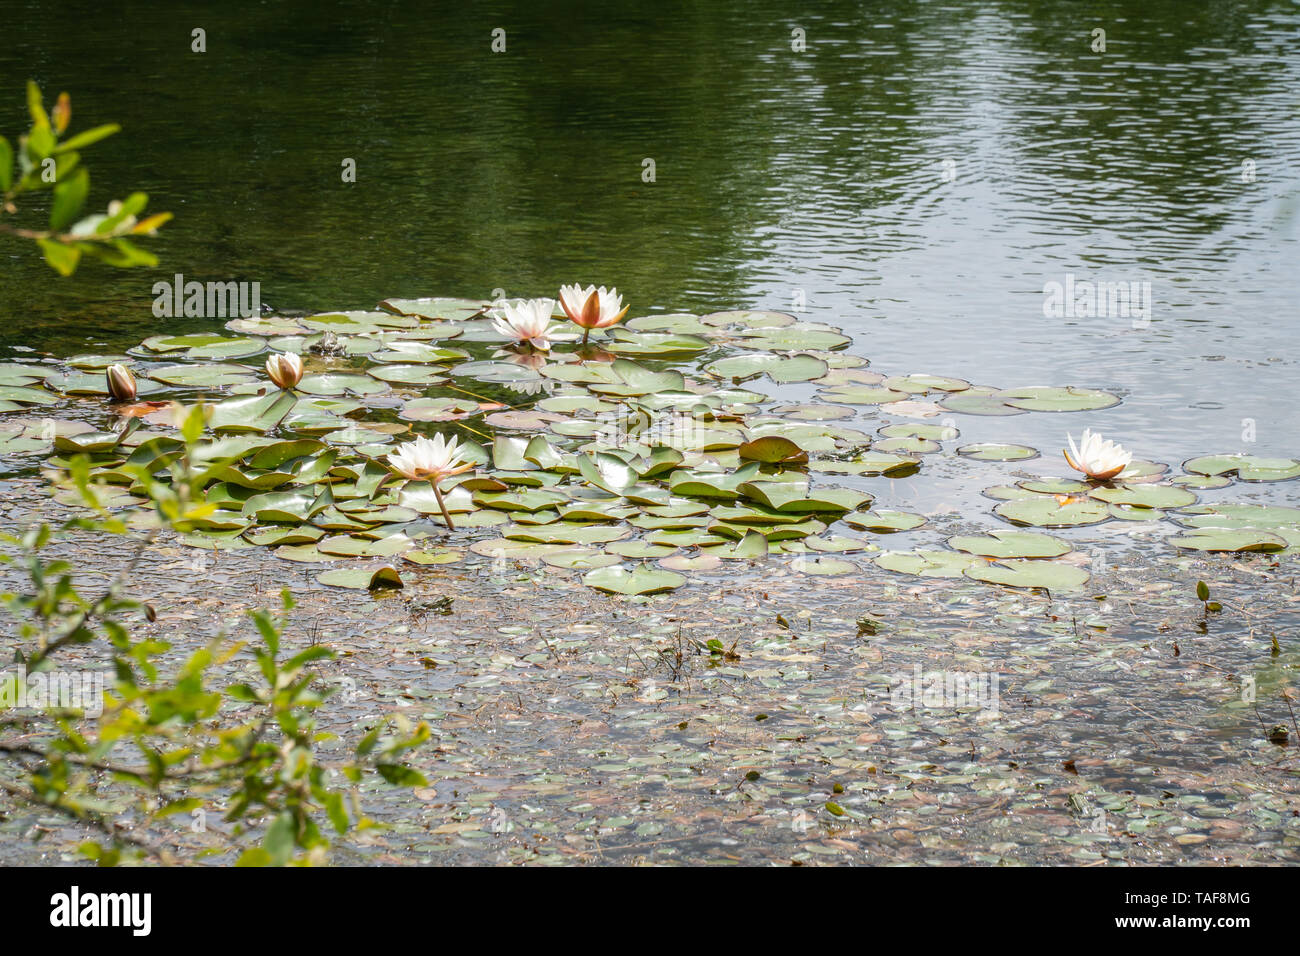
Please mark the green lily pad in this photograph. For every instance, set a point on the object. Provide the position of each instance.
(748, 319)
(863, 395)
(1229, 539)
(1228, 515)
(1146, 496)
(772, 449)
(978, 401)
(702, 562)
(608, 472)
(927, 432)
(750, 546)
(1245, 467)
(778, 368)
(1068, 398)
(632, 379)
(565, 532)
(697, 484)
(340, 383)
(795, 497)
(1053, 576)
(408, 375)
(939, 564)
(814, 413)
(642, 579)
(836, 544)
(869, 463)
(580, 559)
(638, 548)
(1201, 482)
(1055, 486)
(995, 451)
(251, 414)
(822, 566)
(362, 579)
(800, 336)
(1011, 544)
(885, 521)
(1046, 511)
(656, 345)
(907, 446)
(448, 309)
(920, 384)
(428, 556)
(201, 376)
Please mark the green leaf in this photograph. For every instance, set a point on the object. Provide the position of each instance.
(35, 106)
(69, 196)
(279, 840)
(400, 776)
(337, 814)
(90, 136)
(62, 258)
(6, 165)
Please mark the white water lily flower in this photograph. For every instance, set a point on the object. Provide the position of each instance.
(592, 308)
(434, 459)
(1097, 457)
(285, 370)
(525, 321)
(121, 383)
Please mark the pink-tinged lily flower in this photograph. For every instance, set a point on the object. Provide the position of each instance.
(592, 308)
(121, 383)
(525, 321)
(1096, 457)
(285, 370)
(434, 460)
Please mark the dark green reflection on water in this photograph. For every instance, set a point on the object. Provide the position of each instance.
(778, 173)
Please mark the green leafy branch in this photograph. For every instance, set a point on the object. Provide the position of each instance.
(48, 162)
(169, 744)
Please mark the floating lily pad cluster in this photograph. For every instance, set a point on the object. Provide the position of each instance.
(653, 453)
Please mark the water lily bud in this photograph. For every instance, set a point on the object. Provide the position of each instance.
(285, 370)
(592, 308)
(121, 383)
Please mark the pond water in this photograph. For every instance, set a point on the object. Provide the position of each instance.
(915, 176)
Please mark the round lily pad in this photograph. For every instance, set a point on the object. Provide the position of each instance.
(920, 384)
(642, 579)
(1053, 399)
(884, 521)
(980, 402)
(702, 562)
(1046, 511)
(940, 564)
(1011, 544)
(580, 559)
(1245, 467)
(1052, 576)
(995, 451)
(822, 565)
(361, 578)
(1229, 539)
(1146, 496)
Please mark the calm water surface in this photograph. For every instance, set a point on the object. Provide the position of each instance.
(914, 176)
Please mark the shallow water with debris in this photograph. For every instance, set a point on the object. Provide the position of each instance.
(574, 727)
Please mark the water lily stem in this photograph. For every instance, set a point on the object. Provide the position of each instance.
(446, 516)
(586, 334)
